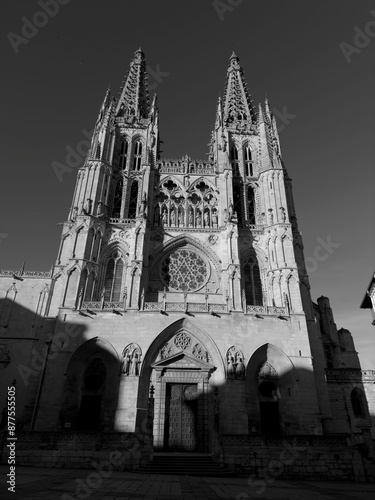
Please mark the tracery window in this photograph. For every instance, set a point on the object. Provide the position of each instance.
(133, 200)
(113, 278)
(116, 212)
(137, 159)
(248, 162)
(234, 161)
(184, 270)
(252, 282)
(237, 202)
(123, 154)
(251, 205)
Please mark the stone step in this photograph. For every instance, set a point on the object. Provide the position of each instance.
(184, 465)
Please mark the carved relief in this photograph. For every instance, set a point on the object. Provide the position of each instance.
(267, 372)
(186, 343)
(132, 360)
(235, 364)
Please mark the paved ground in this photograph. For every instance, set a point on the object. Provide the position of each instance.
(60, 484)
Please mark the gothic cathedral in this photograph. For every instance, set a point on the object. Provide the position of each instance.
(179, 305)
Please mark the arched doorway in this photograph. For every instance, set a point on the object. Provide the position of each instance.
(181, 367)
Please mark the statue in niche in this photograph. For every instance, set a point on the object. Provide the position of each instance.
(231, 369)
(282, 214)
(206, 218)
(190, 217)
(74, 214)
(180, 219)
(126, 368)
(165, 217)
(240, 367)
(270, 216)
(236, 366)
(134, 364)
(173, 217)
(214, 218)
(99, 209)
(132, 359)
(87, 207)
(198, 218)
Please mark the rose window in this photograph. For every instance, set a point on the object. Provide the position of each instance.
(184, 270)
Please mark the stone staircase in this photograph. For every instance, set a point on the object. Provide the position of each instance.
(184, 464)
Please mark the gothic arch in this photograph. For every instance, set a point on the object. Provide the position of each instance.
(184, 239)
(96, 344)
(187, 326)
(202, 179)
(120, 246)
(179, 185)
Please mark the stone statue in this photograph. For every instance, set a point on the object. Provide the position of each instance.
(165, 217)
(214, 218)
(134, 364)
(173, 217)
(240, 368)
(126, 369)
(230, 366)
(270, 216)
(190, 217)
(87, 208)
(206, 218)
(180, 219)
(282, 214)
(198, 218)
(75, 213)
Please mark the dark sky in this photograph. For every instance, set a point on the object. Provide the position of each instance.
(290, 50)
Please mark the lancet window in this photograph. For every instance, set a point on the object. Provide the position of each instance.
(113, 278)
(252, 282)
(133, 200)
(123, 154)
(234, 161)
(251, 205)
(248, 162)
(137, 159)
(116, 212)
(237, 202)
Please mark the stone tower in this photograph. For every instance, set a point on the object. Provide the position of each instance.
(188, 261)
(179, 305)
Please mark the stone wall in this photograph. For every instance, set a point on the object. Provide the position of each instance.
(312, 457)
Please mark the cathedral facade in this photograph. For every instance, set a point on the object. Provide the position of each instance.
(179, 305)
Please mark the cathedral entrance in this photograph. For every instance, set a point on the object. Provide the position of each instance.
(181, 417)
(181, 405)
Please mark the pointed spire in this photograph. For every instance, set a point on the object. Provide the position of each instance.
(260, 114)
(133, 101)
(219, 114)
(237, 101)
(267, 108)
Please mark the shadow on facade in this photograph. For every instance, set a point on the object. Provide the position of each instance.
(79, 401)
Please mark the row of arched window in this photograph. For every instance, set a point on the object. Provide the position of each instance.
(244, 203)
(247, 158)
(124, 155)
(118, 207)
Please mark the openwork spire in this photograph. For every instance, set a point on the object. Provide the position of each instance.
(237, 103)
(134, 101)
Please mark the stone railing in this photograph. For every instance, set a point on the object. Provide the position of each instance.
(186, 166)
(26, 274)
(269, 310)
(124, 222)
(185, 307)
(102, 305)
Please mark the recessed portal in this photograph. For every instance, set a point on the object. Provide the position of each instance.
(181, 409)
